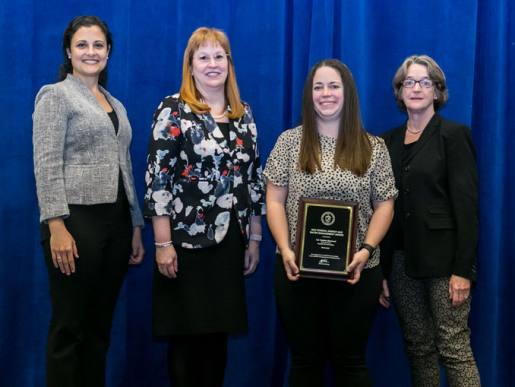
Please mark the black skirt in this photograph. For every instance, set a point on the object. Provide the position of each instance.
(208, 294)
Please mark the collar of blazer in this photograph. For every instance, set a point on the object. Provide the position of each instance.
(86, 93)
(430, 129)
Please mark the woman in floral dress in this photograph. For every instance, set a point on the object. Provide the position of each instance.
(205, 196)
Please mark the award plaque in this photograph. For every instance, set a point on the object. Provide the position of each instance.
(326, 238)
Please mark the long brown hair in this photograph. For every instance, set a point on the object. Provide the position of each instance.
(353, 148)
(189, 92)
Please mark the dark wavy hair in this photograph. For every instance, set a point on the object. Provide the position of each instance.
(83, 21)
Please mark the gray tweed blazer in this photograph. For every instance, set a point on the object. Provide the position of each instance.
(77, 154)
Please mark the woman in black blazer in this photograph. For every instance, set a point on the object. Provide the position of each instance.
(429, 253)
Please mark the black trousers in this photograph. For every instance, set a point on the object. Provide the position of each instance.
(328, 319)
(83, 303)
(197, 360)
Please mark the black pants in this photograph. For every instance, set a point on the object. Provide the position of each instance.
(83, 303)
(197, 360)
(328, 319)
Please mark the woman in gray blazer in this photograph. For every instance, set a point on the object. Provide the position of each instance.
(87, 202)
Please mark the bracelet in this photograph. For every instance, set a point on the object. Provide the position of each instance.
(367, 247)
(255, 237)
(163, 244)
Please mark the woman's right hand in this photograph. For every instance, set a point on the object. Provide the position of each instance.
(166, 259)
(62, 246)
(292, 271)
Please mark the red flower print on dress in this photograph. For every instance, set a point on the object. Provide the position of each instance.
(175, 131)
(186, 172)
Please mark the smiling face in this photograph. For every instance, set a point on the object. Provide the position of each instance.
(328, 94)
(88, 52)
(418, 99)
(209, 67)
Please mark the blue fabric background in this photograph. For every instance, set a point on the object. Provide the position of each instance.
(274, 44)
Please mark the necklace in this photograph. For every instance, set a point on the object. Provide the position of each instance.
(221, 116)
(414, 131)
(215, 117)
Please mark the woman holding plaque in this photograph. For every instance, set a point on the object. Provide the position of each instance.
(430, 250)
(205, 194)
(330, 156)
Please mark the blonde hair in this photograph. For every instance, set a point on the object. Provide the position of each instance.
(189, 92)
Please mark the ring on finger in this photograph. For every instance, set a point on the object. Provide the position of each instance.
(58, 258)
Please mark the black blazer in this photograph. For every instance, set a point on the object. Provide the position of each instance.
(440, 196)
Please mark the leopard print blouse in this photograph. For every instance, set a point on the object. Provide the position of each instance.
(377, 184)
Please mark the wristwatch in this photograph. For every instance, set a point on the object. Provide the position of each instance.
(367, 247)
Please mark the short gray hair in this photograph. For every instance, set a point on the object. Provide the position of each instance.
(435, 74)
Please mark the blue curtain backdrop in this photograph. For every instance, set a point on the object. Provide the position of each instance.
(274, 44)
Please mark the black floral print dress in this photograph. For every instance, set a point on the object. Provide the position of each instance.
(210, 186)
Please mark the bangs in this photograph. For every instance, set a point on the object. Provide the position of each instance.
(205, 36)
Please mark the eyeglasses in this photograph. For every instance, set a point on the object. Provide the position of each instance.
(425, 83)
(219, 58)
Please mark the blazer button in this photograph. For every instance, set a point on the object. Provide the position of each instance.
(407, 168)
(407, 215)
(406, 191)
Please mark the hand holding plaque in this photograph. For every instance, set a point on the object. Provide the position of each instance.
(326, 238)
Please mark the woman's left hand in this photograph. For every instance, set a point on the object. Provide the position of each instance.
(251, 258)
(356, 266)
(384, 297)
(459, 290)
(138, 250)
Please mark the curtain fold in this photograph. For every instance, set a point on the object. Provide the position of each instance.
(493, 123)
